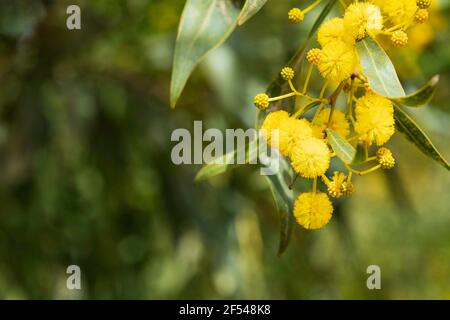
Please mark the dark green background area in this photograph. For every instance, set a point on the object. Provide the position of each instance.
(86, 176)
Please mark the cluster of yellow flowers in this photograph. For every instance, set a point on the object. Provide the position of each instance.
(366, 120)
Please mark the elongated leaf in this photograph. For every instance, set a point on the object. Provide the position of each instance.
(204, 25)
(284, 200)
(420, 97)
(360, 154)
(378, 69)
(227, 161)
(342, 148)
(417, 136)
(215, 168)
(251, 7)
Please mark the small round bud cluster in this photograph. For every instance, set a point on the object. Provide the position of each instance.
(313, 56)
(334, 190)
(261, 101)
(348, 188)
(296, 15)
(421, 16)
(287, 73)
(423, 4)
(336, 185)
(399, 38)
(385, 158)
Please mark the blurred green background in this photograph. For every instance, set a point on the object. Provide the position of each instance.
(86, 176)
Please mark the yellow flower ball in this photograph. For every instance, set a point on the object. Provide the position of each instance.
(336, 185)
(292, 131)
(313, 210)
(397, 11)
(374, 119)
(337, 61)
(273, 121)
(287, 73)
(295, 15)
(333, 30)
(283, 132)
(310, 157)
(399, 38)
(362, 19)
(261, 101)
(421, 16)
(385, 158)
(313, 55)
(338, 123)
(423, 4)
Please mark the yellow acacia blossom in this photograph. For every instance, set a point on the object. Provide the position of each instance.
(290, 130)
(310, 157)
(385, 158)
(272, 122)
(397, 11)
(333, 30)
(336, 185)
(337, 61)
(362, 19)
(374, 119)
(338, 123)
(313, 210)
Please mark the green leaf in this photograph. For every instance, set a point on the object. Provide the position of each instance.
(378, 69)
(284, 201)
(215, 168)
(228, 161)
(342, 148)
(251, 7)
(204, 25)
(416, 135)
(421, 96)
(360, 154)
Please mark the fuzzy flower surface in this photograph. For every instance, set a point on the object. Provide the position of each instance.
(310, 157)
(397, 11)
(283, 132)
(333, 30)
(362, 19)
(338, 123)
(313, 210)
(337, 61)
(374, 119)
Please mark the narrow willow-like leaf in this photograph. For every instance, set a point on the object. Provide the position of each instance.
(378, 69)
(342, 148)
(204, 25)
(284, 201)
(251, 7)
(420, 97)
(215, 168)
(416, 135)
(360, 154)
(227, 161)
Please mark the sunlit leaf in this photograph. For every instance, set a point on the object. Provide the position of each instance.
(378, 69)
(228, 161)
(416, 135)
(204, 25)
(251, 7)
(284, 200)
(344, 150)
(420, 97)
